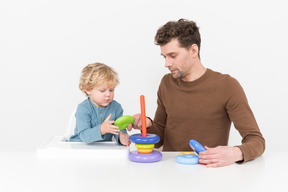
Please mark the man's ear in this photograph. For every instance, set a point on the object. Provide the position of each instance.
(194, 50)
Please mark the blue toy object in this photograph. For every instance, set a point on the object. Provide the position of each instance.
(196, 146)
(149, 139)
(187, 159)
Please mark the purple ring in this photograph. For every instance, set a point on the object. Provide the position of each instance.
(154, 156)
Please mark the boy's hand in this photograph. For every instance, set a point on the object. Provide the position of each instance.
(107, 127)
(124, 138)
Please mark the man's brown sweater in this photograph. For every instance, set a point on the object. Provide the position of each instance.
(203, 110)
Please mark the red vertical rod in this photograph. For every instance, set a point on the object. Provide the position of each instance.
(143, 116)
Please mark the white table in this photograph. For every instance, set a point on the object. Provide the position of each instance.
(23, 171)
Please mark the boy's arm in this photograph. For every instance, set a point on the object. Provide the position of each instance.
(87, 133)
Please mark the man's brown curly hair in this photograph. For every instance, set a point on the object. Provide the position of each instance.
(187, 33)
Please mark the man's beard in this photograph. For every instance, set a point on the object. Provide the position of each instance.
(178, 75)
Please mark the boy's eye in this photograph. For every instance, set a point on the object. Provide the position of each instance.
(111, 90)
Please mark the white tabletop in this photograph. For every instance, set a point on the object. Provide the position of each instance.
(23, 171)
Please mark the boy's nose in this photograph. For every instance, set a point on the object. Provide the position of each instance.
(107, 93)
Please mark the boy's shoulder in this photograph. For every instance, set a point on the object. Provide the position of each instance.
(85, 102)
(85, 105)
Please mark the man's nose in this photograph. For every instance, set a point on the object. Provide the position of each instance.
(168, 62)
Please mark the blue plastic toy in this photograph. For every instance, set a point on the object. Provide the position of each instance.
(196, 146)
(148, 139)
(187, 159)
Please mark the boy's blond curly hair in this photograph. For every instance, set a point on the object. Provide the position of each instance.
(95, 74)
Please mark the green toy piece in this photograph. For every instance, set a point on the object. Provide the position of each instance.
(124, 121)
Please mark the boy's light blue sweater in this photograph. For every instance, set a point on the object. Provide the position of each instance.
(89, 119)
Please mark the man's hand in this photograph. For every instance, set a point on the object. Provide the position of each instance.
(137, 122)
(220, 156)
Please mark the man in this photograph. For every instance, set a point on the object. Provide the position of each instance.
(198, 103)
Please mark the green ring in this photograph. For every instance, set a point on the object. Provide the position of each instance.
(124, 121)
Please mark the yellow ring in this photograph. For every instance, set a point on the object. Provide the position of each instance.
(144, 146)
(185, 153)
(144, 150)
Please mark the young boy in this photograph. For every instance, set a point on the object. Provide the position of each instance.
(95, 115)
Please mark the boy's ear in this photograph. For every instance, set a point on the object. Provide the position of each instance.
(88, 91)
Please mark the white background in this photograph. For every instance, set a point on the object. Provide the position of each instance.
(45, 44)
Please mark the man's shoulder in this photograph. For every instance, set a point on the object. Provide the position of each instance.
(221, 76)
(226, 81)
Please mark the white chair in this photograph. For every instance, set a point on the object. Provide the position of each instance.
(71, 126)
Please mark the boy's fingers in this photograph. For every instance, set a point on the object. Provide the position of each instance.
(115, 127)
(110, 122)
(109, 116)
(115, 131)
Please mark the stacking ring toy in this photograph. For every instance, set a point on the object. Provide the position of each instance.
(187, 153)
(187, 159)
(149, 139)
(154, 156)
(144, 150)
(196, 146)
(124, 121)
(144, 146)
(144, 142)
